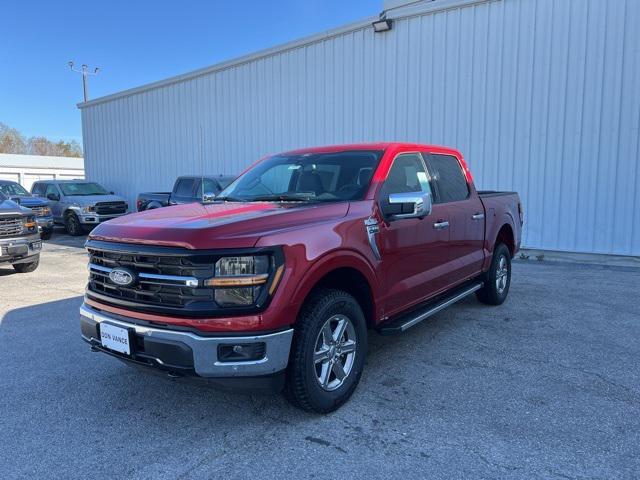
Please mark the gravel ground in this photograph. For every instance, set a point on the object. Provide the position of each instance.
(545, 386)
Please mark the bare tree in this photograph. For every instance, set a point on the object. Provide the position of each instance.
(11, 140)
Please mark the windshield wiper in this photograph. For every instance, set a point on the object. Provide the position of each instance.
(228, 199)
(283, 198)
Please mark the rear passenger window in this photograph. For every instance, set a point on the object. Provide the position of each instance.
(451, 184)
(185, 187)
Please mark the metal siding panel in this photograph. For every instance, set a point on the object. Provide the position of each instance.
(539, 95)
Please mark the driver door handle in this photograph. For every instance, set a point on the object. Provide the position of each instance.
(441, 225)
(478, 216)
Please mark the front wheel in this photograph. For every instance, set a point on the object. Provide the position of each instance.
(328, 352)
(27, 267)
(46, 234)
(498, 278)
(73, 225)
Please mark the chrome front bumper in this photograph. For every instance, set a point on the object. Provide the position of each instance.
(19, 250)
(95, 219)
(204, 348)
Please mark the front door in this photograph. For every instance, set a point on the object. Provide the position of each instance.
(56, 208)
(413, 250)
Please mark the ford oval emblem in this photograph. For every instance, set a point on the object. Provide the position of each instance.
(121, 277)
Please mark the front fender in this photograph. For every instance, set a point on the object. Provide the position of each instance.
(329, 262)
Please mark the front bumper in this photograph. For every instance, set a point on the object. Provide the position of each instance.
(188, 353)
(44, 223)
(95, 219)
(20, 249)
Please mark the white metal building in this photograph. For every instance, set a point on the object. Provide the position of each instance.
(26, 169)
(542, 97)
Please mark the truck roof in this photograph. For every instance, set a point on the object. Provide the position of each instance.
(369, 146)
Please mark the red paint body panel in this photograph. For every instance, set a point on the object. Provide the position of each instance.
(417, 262)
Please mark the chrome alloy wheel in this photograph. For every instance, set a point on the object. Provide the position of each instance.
(502, 275)
(334, 352)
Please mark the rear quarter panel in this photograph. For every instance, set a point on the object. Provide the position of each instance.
(500, 209)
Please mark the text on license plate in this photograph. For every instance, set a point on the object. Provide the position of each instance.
(115, 338)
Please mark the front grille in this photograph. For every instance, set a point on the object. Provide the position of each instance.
(111, 208)
(10, 226)
(161, 280)
(39, 211)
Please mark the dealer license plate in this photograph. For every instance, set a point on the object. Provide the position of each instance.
(115, 338)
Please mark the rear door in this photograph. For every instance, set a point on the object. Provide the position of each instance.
(465, 214)
(184, 191)
(413, 250)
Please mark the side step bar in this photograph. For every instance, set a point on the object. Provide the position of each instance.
(408, 320)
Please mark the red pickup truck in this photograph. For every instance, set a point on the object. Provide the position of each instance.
(276, 283)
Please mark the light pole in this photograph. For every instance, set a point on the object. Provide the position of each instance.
(85, 73)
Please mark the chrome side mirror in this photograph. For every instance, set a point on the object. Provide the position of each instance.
(408, 205)
(208, 197)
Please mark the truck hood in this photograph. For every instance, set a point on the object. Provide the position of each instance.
(86, 200)
(7, 207)
(217, 225)
(30, 202)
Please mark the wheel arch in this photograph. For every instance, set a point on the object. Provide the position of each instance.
(345, 271)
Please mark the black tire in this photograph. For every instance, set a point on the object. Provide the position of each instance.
(73, 225)
(494, 292)
(303, 386)
(26, 267)
(46, 234)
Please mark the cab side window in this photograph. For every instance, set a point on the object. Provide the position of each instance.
(448, 178)
(51, 188)
(407, 174)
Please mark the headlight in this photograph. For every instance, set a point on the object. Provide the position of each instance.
(89, 209)
(239, 281)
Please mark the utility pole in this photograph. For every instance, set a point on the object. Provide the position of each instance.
(85, 73)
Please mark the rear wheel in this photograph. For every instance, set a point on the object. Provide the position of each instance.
(27, 267)
(328, 352)
(73, 225)
(498, 278)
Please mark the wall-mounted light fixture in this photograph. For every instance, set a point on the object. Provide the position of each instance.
(382, 25)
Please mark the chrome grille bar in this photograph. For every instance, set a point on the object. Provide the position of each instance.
(150, 277)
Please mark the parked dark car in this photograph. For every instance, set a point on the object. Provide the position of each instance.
(40, 207)
(187, 189)
(20, 243)
(80, 205)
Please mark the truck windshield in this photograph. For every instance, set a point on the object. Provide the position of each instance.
(77, 189)
(13, 190)
(320, 177)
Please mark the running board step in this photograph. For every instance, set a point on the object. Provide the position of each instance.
(408, 320)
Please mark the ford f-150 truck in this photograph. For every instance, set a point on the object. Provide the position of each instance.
(277, 282)
(187, 189)
(79, 205)
(20, 243)
(39, 206)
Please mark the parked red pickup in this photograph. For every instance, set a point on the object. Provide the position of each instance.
(276, 283)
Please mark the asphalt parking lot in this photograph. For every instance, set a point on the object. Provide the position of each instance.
(546, 386)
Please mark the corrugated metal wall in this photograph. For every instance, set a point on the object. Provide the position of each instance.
(542, 96)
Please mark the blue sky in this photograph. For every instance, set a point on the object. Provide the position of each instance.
(136, 42)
